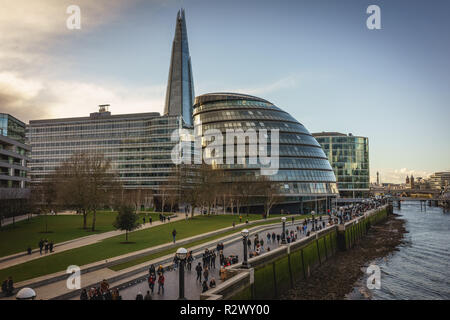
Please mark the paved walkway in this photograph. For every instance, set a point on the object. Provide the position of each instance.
(8, 221)
(19, 258)
(130, 287)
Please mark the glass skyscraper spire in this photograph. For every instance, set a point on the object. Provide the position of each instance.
(180, 86)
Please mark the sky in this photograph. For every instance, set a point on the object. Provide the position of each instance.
(316, 59)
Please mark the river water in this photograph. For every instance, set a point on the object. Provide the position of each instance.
(421, 267)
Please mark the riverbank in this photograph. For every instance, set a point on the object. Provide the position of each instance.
(335, 278)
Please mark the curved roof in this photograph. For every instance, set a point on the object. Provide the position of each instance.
(221, 96)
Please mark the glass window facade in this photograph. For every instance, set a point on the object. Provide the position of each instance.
(349, 157)
(304, 170)
(138, 145)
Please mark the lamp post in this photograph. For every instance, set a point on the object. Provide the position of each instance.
(313, 220)
(283, 234)
(245, 234)
(181, 255)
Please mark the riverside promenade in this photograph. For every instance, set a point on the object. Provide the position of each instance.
(53, 286)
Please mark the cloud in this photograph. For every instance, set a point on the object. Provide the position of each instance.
(30, 29)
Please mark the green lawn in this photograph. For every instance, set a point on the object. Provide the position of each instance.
(112, 247)
(17, 238)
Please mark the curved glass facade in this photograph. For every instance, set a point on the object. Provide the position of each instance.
(349, 157)
(304, 171)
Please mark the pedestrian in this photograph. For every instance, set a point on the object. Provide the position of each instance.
(160, 269)
(234, 225)
(206, 273)
(174, 234)
(240, 219)
(46, 246)
(50, 246)
(139, 296)
(278, 238)
(150, 220)
(151, 269)
(268, 237)
(273, 236)
(189, 260)
(199, 270)
(41, 246)
(168, 218)
(143, 220)
(83, 295)
(29, 250)
(213, 259)
(151, 282)
(175, 263)
(161, 280)
(204, 286)
(148, 296)
(292, 220)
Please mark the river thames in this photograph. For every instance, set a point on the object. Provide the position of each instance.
(420, 269)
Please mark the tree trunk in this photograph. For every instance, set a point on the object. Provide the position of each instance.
(93, 219)
(84, 219)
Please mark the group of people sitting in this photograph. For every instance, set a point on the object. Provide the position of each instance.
(102, 292)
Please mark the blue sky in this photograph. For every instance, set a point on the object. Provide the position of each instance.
(315, 59)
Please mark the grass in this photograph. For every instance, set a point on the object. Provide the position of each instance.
(61, 228)
(112, 247)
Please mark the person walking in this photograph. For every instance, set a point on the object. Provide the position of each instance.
(206, 274)
(139, 296)
(151, 282)
(199, 270)
(41, 246)
(174, 234)
(50, 246)
(148, 296)
(161, 280)
(213, 259)
(268, 237)
(189, 260)
(150, 220)
(46, 246)
(143, 220)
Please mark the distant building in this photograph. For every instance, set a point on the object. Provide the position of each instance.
(349, 157)
(440, 180)
(14, 158)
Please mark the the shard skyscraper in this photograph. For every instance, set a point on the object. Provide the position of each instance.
(180, 86)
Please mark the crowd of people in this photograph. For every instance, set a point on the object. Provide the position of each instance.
(209, 258)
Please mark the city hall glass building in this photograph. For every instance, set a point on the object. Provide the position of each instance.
(305, 177)
(349, 157)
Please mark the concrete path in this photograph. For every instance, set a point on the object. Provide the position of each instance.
(18, 258)
(8, 221)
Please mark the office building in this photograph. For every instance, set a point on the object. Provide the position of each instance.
(349, 157)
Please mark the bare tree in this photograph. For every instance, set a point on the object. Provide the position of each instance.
(269, 193)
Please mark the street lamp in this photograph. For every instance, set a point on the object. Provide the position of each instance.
(181, 255)
(313, 220)
(283, 234)
(245, 234)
